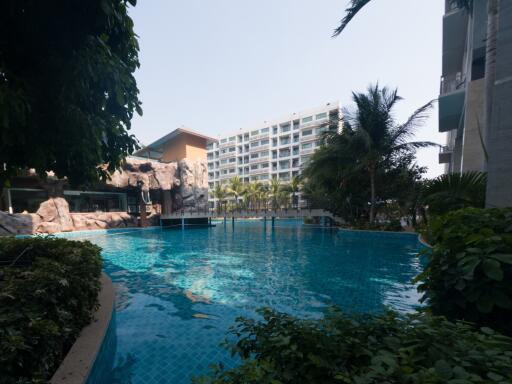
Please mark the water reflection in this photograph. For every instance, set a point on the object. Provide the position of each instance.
(179, 291)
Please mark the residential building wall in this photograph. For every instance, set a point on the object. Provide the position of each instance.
(471, 145)
(277, 148)
(499, 168)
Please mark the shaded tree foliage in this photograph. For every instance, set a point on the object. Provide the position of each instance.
(67, 91)
(370, 164)
(453, 191)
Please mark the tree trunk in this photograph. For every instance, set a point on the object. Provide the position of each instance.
(372, 198)
(490, 65)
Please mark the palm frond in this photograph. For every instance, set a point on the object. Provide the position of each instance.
(354, 7)
(454, 191)
(417, 119)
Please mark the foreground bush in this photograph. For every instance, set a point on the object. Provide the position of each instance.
(48, 290)
(381, 349)
(469, 273)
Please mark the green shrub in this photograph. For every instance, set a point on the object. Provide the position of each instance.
(48, 290)
(387, 348)
(469, 273)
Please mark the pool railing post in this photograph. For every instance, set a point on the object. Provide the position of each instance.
(182, 222)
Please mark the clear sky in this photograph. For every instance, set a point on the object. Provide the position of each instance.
(218, 65)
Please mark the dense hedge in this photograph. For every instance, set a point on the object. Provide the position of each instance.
(386, 348)
(469, 273)
(48, 290)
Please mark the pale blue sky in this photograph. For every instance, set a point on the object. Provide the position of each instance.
(218, 65)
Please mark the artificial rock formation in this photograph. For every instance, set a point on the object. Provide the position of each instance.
(53, 216)
(193, 190)
(187, 179)
(152, 175)
(184, 186)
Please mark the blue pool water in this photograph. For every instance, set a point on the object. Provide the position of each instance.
(179, 291)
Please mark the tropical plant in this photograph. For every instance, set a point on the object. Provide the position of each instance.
(236, 189)
(251, 194)
(387, 348)
(263, 196)
(67, 90)
(48, 290)
(370, 143)
(220, 194)
(491, 49)
(277, 193)
(293, 188)
(469, 271)
(453, 191)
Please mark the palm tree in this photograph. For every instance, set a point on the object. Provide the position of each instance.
(251, 193)
(454, 191)
(263, 196)
(276, 192)
(490, 52)
(292, 188)
(370, 139)
(236, 188)
(220, 194)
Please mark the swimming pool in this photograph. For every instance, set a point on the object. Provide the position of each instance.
(179, 291)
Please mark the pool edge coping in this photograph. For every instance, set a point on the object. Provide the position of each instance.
(78, 363)
(419, 235)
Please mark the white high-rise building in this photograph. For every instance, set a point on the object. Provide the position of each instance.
(276, 148)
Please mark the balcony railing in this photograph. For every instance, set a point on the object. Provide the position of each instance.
(452, 83)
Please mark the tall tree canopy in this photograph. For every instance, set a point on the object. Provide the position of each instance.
(361, 166)
(67, 91)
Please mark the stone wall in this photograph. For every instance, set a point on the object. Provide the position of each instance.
(53, 216)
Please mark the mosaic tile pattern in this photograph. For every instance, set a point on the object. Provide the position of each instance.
(178, 292)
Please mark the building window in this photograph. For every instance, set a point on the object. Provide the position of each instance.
(255, 166)
(255, 144)
(321, 116)
(232, 170)
(232, 138)
(232, 160)
(274, 129)
(307, 119)
(224, 161)
(307, 146)
(254, 155)
(232, 149)
(223, 141)
(265, 130)
(285, 128)
(307, 132)
(265, 142)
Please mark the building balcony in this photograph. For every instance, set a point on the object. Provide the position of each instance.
(451, 102)
(445, 155)
(455, 29)
(307, 151)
